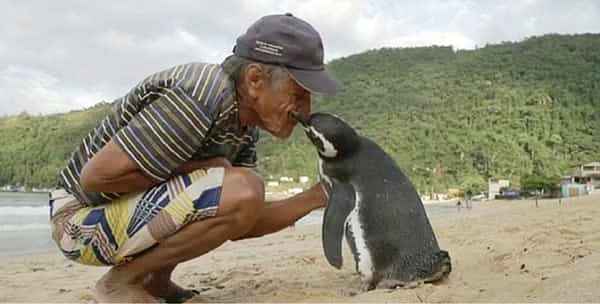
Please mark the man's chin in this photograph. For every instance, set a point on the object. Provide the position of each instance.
(281, 134)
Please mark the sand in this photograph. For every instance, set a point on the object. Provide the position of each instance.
(502, 251)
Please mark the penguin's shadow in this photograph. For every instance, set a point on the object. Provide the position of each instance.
(338, 284)
(276, 287)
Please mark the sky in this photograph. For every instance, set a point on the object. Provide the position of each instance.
(62, 55)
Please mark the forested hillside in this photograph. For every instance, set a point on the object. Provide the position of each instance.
(33, 148)
(453, 119)
(450, 119)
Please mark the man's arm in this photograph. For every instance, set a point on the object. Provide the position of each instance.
(112, 170)
(281, 214)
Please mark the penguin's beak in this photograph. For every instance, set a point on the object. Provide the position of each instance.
(300, 118)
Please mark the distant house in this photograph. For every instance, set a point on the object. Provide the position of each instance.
(570, 189)
(588, 174)
(494, 186)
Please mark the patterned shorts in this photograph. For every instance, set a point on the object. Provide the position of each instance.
(114, 233)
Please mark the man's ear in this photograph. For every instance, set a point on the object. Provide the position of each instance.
(255, 79)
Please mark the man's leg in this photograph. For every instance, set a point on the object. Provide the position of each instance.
(242, 198)
(274, 217)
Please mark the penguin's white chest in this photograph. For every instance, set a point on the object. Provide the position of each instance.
(364, 262)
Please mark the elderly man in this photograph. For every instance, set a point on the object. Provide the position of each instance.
(164, 179)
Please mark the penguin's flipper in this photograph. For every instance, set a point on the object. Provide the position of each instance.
(341, 202)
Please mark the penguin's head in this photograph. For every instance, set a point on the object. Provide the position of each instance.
(332, 136)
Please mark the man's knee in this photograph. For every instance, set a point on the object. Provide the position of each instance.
(242, 197)
(246, 185)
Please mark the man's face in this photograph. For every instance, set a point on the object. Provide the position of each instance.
(276, 102)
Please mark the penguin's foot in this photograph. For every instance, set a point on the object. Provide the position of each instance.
(367, 286)
(444, 267)
(395, 284)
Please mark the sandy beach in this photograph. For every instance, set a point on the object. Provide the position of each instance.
(502, 251)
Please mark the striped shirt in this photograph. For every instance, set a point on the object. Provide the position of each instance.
(188, 112)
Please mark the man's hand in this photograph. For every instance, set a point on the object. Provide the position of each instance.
(323, 191)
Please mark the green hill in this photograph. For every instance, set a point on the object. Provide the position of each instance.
(35, 147)
(450, 119)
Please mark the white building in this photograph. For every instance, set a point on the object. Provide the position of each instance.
(588, 174)
(494, 186)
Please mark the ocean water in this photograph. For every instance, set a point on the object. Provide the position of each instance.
(24, 226)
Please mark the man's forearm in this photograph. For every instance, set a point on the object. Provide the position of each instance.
(130, 182)
(281, 214)
(135, 180)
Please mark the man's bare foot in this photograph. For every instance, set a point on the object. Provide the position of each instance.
(164, 288)
(115, 288)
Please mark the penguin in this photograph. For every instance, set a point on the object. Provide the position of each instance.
(375, 206)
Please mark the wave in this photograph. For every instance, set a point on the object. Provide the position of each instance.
(42, 210)
(27, 227)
